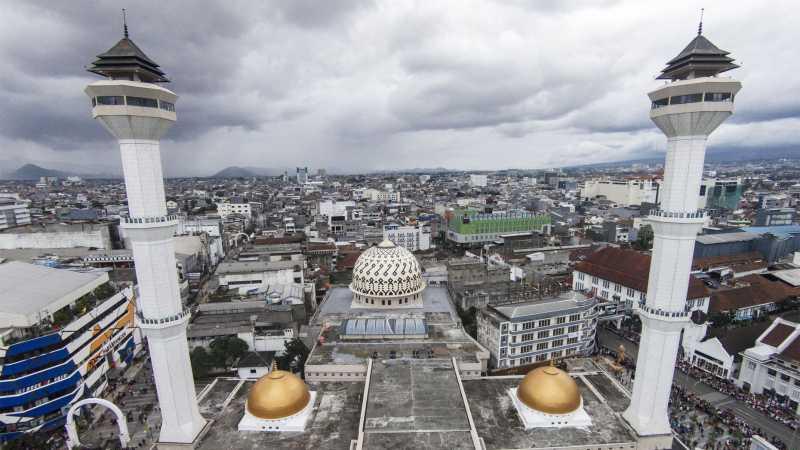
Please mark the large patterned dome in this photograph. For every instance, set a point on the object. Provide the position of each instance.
(387, 275)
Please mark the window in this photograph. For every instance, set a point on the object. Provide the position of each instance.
(111, 100)
(558, 332)
(771, 372)
(718, 97)
(630, 292)
(617, 288)
(513, 339)
(526, 348)
(528, 325)
(572, 340)
(558, 343)
(606, 284)
(594, 280)
(541, 357)
(542, 346)
(660, 103)
(688, 98)
(574, 317)
(544, 323)
(573, 328)
(784, 377)
(543, 334)
(143, 102)
(527, 337)
(560, 320)
(513, 350)
(579, 286)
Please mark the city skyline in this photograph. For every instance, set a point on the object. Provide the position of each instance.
(295, 83)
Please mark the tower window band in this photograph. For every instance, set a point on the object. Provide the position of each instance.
(111, 100)
(141, 101)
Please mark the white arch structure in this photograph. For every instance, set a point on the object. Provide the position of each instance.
(72, 431)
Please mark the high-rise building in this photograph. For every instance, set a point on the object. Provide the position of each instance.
(302, 175)
(693, 103)
(137, 112)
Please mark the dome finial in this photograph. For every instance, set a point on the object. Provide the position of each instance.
(124, 23)
(700, 26)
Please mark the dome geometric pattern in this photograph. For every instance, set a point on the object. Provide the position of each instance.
(387, 270)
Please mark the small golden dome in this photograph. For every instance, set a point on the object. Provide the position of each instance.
(549, 390)
(277, 395)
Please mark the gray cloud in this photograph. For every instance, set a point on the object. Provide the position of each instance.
(358, 84)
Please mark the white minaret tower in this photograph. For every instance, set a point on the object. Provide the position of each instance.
(692, 104)
(138, 113)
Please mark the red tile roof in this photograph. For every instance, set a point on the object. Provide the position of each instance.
(758, 291)
(630, 269)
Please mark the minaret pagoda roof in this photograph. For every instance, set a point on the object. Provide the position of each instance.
(700, 58)
(125, 59)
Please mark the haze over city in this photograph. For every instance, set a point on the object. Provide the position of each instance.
(356, 85)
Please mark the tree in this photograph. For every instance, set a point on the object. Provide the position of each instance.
(295, 354)
(644, 240)
(201, 362)
(104, 291)
(226, 349)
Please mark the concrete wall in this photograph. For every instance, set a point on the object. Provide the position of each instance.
(62, 239)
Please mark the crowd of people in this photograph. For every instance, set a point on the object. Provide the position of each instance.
(768, 405)
(686, 405)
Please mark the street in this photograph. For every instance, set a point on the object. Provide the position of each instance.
(718, 399)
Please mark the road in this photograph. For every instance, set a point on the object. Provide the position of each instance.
(718, 399)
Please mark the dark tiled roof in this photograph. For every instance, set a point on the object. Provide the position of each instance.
(701, 57)
(778, 334)
(760, 290)
(792, 351)
(737, 340)
(630, 269)
(124, 59)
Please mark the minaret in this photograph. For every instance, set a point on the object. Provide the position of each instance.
(138, 113)
(693, 103)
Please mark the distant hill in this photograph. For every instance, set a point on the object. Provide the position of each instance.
(34, 172)
(246, 172)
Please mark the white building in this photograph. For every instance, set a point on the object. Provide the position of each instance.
(772, 365)
(525, 333)
(622, 192)
(476, 180)
(246, 276)
(375, 195)
(226, 209)
(13, 213)
(412, 237)
(334, 208)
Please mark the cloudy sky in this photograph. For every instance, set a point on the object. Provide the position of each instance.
(356, 85)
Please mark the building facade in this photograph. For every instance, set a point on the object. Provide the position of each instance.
(57, 344)
(525, 333)
(471, 228)
(412, 237)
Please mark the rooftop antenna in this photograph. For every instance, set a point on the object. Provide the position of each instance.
(699, 27)
(125, 23)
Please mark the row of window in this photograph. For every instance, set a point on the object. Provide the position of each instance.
(693, 98)
(132, 101)
(546, 322)
(539, 358)
(540, 346)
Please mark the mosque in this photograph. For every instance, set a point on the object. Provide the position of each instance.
(394, 369)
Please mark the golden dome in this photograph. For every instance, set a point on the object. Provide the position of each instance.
(277, 395)
(549, 390)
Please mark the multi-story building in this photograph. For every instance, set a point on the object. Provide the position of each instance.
(226, 209)
(774, 217)
(478, 180)
(251, 275)
(772, 365)
(721, 194)
(302, 175)
(524, 333)
(57, 341)
(412, 237)
(472, 228)
(622, 192)
(13, 213)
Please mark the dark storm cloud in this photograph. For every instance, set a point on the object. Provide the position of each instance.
(362, 84)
